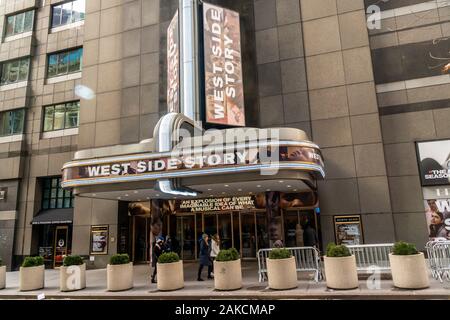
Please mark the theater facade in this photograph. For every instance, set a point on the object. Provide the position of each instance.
(250, 119)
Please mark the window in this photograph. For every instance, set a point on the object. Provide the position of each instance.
(11, 122)
(61, 116)
(64, 62)
(67, 13)
(19, 23)
(15, 71)
(55, 197)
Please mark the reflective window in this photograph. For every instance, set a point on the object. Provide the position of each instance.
(64, 62)
(15, 71)
(19, 23)
(12, 122)
(67, 13)
(53, 196)
(61, 116)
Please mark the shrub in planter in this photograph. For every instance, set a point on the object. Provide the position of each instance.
(119, 273)
(408, 267)
(340, 268)
(170, 273)
(281, 270)
(32, 273)
(227, 270)
(2, 275)
(72, 274)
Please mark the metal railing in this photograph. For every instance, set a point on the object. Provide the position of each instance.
(370, 256)
(439, 259)
(306, 259)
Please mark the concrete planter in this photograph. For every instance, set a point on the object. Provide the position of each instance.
(119, 276)
(410, 271)
(227, 275)
(2, 277)
(170, 276)
(341, 273)
(31, 278)
(72, 278)
(282, 273)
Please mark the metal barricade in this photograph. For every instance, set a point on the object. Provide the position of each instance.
(439, 259)
(370, 256)
(306, 259)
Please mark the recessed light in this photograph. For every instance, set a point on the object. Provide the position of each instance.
(223, 192)
(211, 195)
(281, 181)
(94, 195)
(267, 189)
(295, 189)
(288, 186)
(239, 189)
(139, 200)
(258, 186)
(226, 185)
(135, 192)
(148, 198)
(209, 189)
(126, 195)
(157, 194)
(119, 198)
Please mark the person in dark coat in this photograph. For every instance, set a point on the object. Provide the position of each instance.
(157, 250)
(309, 235)
(205, 257)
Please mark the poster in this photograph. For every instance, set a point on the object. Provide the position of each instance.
(437, 213)
(434, 162)
(99, 240)
(223, 66)
(348, 230)
(173, 66)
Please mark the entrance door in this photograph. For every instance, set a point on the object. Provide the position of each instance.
(61, 243)
(186, 236)
(141, 235)
(248, 235)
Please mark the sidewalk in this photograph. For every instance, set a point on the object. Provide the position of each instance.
(252, 289)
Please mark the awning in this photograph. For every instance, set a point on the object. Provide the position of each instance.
(54, 216)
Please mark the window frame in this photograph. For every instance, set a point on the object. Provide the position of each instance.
(12, 127)
(66, 104)
(10, 62)
(60, 194)
(61, 4)
(58, 54)
(15, 15)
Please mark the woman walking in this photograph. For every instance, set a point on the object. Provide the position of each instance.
(215, 248)
(205, 257)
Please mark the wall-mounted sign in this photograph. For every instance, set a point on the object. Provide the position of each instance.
(217, 204)
(437, 214)
(223, 66)
(3, 193)
(99, 240)
(434, 162)
(348, 230)
(173, 66)
(156, 167)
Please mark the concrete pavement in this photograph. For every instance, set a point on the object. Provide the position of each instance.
(252, 289)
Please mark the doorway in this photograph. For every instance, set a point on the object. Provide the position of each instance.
(185, 236)
(141, 239)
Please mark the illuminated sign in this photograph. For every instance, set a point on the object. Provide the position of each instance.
(173, 66)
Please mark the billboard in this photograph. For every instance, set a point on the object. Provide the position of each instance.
(173, 66)
(224, 92)
(434, 162)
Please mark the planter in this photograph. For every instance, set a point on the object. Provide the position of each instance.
(409, 271)
(170, 276)
(119, 276)
(72, 278)
(341, 273)
(2, 277)
(31, 278)
(282, 273)
(227, 275)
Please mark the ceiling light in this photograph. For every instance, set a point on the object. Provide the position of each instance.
(239, 189)
(258, 186)
(267, 189)
(119, 198)
(226, 185)
(139, 200)
(288, 186)
(135, 192)
(223, 192)
(281, 181)
(148, 198)
(211, 195)
(295, 189)
(126, 195)
(94, 195)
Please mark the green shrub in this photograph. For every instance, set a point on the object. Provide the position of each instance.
(337, 251)
(72, 261)
(168, 257)
(227, 255)
(280, 254)
(403, 249)
(33, 262)
(119, 259)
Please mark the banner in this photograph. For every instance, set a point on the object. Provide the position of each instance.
(223, 66)
(434, 162)
(437, 213)
(173, 66)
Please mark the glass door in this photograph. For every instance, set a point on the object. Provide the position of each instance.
(248, 235)
(185, 236)
(225, 230)
(141, 234)
(61, 243)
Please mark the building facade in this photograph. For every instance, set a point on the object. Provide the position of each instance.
(90, 77)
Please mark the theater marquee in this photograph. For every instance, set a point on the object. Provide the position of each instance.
(223, 66)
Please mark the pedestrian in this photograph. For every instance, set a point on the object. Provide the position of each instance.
(278, 244)
(215, 248)
(205, 257)
(168, 244)
(309, 234)
(157, 250)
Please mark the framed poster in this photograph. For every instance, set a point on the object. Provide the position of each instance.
(434, 162)
(99, 240)
(348, 230)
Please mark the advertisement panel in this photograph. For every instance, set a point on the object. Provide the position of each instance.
(437, 213)
(224, 92)
(434, 162)
(348, 230)
(173, 66)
